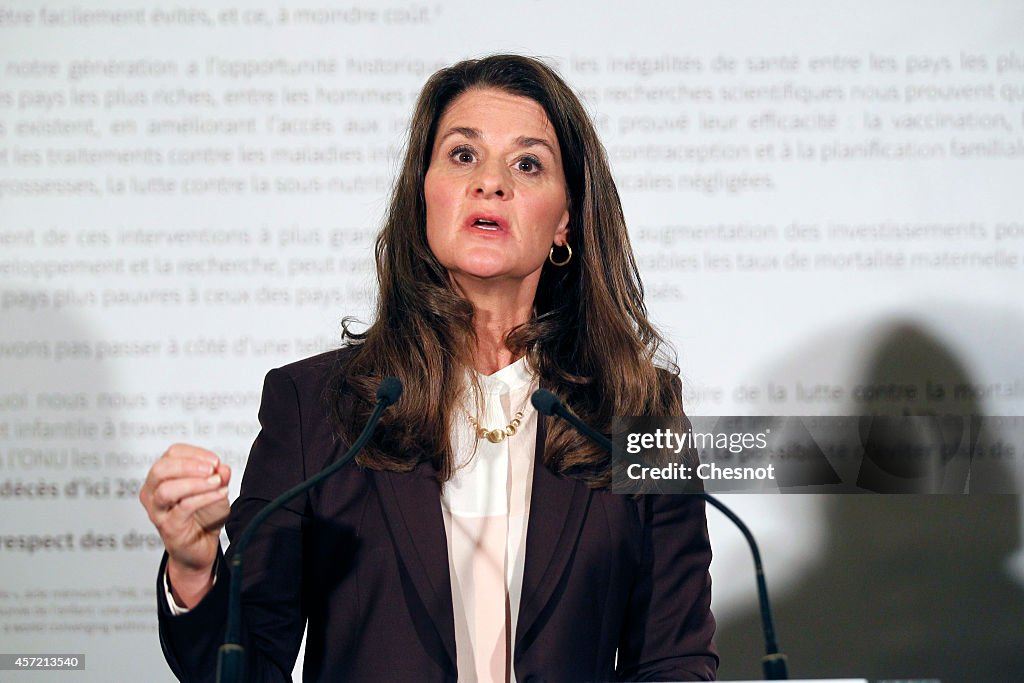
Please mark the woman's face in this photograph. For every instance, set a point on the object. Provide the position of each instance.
(495, 190)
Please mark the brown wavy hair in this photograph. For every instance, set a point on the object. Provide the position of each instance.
(589, 338)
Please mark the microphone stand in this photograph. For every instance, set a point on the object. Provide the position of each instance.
(231, 655)
(774, 662)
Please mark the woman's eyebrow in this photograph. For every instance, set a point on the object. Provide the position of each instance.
(465, 131)
(475, 133)
(524, 141)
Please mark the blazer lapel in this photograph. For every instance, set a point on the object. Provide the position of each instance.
(412, 509)
(558, 507)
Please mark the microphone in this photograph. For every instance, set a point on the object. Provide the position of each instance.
(231, 656)
(774, 662)
(389, 391)
(547, 403)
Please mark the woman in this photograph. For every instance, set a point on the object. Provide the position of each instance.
(475, 540)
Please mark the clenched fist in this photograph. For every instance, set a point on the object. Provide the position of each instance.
(186, 497)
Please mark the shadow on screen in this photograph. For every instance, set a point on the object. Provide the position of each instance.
(907, 586)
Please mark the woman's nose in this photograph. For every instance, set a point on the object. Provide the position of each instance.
(491, 180)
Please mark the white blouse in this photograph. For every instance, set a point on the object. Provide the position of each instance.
(486, 507)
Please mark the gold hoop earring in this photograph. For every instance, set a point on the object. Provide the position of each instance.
(568, 257)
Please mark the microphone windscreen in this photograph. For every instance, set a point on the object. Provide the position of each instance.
(545, 402)
(389, 390)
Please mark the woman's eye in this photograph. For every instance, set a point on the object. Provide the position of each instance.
(463, 155)
(528, 165)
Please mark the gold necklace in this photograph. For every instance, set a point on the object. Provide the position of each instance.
(496, 435)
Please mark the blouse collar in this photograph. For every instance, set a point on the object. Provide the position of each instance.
(509, 378)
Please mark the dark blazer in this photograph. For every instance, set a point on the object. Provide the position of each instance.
(363, 557)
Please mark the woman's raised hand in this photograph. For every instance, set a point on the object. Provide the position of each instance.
(186, 497)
